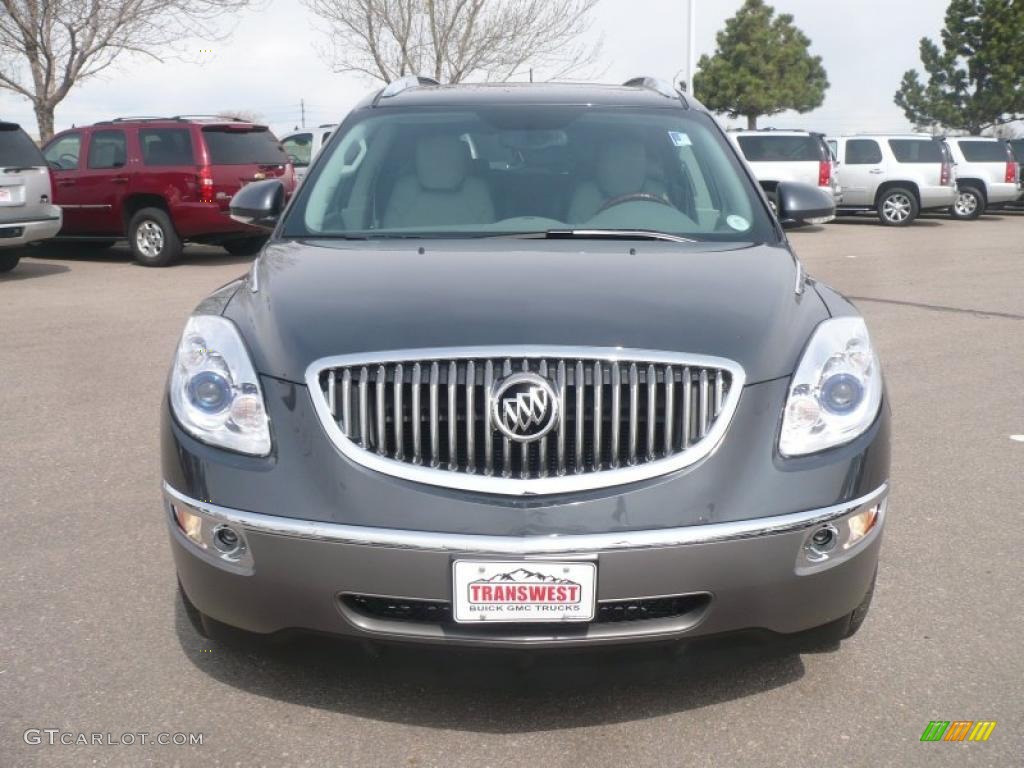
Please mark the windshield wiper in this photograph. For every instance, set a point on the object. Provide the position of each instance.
(605, 234)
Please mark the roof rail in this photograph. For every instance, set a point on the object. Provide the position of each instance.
(396, 87)
(210, 117)
(658, 86)
(131, 118)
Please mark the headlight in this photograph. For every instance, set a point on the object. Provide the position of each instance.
(836, 391)
(214, 390)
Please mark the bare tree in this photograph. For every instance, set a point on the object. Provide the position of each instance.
(455, 40)
(63, 42)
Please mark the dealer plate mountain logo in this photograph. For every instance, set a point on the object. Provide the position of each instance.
(524, 586)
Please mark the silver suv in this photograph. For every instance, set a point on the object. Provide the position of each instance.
(776, 155)
(26, 213)
(987, 175)
(895, 177)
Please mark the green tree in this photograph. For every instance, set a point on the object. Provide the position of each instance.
(976, 79)
(761, 66)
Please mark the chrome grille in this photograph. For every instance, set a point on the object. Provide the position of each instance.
(624, 415)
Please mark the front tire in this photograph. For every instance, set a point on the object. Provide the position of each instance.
(969, 204)
(897, 207)
(152, 238)
(8, 261)
(246, 246)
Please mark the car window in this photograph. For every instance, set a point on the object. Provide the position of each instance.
(299, 148)
(833, 147)
(502, 171)
(107, 150)
(863, 152)
(916, 150)
(166, 146)
(781, 149)
(17, 150)
(984, 151)
(1017, 147)
(62, 153)
(246, 145)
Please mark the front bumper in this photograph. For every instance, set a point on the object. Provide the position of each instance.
(738, 575)
(17, 233)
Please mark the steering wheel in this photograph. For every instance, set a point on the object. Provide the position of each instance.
(635, 197)
(68, 161)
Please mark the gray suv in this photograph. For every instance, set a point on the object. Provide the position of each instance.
(26, 213)
(526, 366)
(893, 176)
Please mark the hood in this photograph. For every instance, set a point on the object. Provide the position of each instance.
(322, 298)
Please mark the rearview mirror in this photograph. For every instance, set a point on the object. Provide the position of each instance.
(801, 204)
(259, 204)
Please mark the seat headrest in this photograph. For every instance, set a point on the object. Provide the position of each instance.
(441, 162)
(621, 167)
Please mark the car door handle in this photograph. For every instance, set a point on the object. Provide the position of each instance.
(65, 182)
(120, 179)
(876, 171)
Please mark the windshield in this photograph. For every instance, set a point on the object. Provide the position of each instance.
(529, 169)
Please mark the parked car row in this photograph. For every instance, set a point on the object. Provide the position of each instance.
(157, 181)
(895, 177)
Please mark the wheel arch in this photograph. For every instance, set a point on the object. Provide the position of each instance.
(135, 203)
(910, 186)
(979, 184)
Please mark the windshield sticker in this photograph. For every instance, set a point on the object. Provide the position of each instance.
(680, 139)
(738, 223)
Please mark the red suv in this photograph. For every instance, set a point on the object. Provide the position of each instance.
(162, 181)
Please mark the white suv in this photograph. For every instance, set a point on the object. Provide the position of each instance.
(303, 146)
(776, 155)
(987, 175)
(894, 176)
(27, 213)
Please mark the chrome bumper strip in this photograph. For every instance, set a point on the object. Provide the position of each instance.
(521, 545)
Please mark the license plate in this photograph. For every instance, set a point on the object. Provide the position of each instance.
(530, 591)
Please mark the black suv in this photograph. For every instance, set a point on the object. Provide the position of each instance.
(526, 365)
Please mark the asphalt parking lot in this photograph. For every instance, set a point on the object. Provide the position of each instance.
(92, 638)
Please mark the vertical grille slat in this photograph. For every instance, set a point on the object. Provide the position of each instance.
(612, 412)
(579, 381)
(634, 410)
(616, 413)
(561, 417)
(435, 419)
(670, 416)
(416, 415)
(471, 417)
(598, 388)
(542, 449)
(702, 424)
(453, 416)
(488, 426)
(399, 414)
(652, 408)
(346, 403)
(382, 421)
(506, 444)
(364, 407)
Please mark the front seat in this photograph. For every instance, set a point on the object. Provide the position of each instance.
(620, 169)
(441, 192)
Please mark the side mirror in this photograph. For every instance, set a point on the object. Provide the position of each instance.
(259, 204)
(801, 204)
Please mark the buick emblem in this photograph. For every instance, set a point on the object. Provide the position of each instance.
(524, 406)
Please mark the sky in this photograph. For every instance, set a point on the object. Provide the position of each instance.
(270, 63)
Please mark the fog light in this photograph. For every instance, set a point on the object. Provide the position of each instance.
(227, 541)
(861, 524)
(821, 542)
(191, 525)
